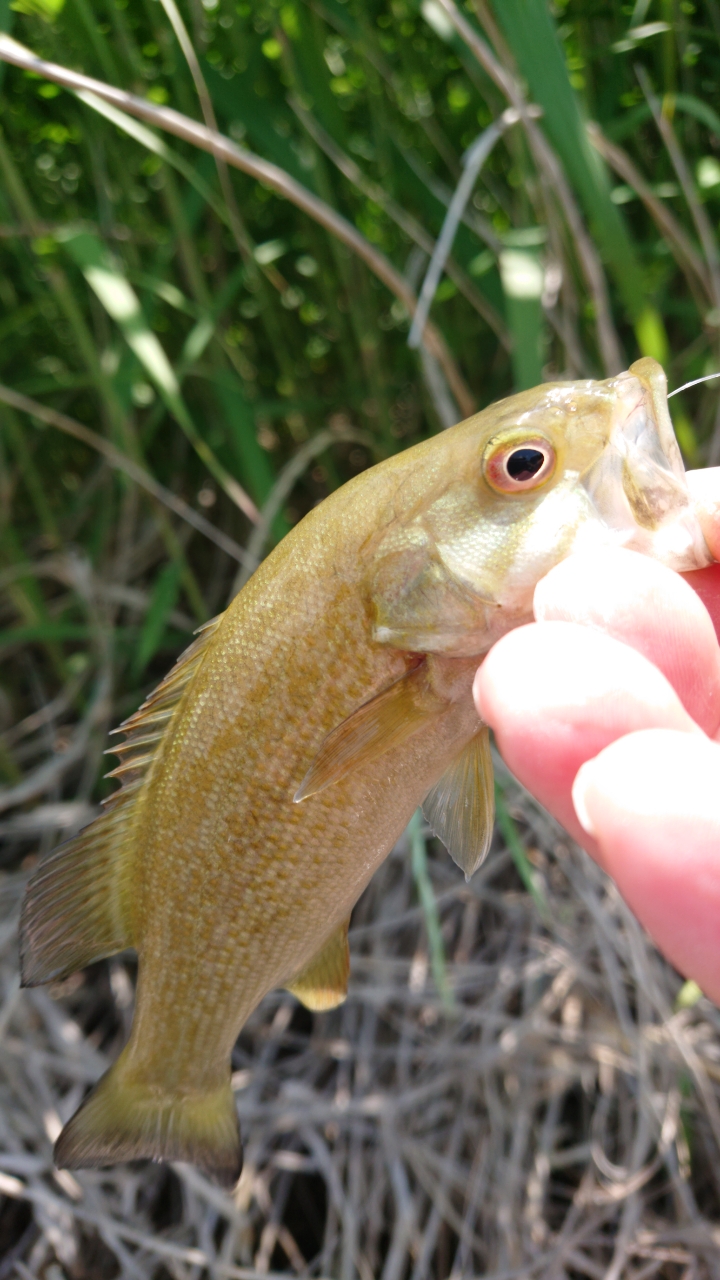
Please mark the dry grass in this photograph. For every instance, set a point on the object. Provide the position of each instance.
(560, 1120)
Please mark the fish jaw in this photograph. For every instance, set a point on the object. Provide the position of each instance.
(638, 487)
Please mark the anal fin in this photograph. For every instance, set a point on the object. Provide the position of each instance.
(322, 984)
(461, 806)
(379, 725)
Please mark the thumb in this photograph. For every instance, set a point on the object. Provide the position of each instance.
(651, 800)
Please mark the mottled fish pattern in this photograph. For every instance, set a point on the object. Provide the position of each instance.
(271, 772)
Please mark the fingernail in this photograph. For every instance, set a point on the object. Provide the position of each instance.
(579, 792)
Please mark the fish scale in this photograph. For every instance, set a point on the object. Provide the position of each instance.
(272, 771)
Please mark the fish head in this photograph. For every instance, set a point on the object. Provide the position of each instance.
(565, 467)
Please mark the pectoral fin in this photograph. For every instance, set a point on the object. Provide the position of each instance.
(461, 806)
(322, 984)
(386, 721)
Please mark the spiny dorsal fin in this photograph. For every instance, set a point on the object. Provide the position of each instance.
(386, 721)
(159, 705)
(78, 903)
(322, 984)
(146, 727)
(461, 806)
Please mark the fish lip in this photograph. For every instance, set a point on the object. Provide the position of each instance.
(651, 376)
(638, 485)
(640, 403)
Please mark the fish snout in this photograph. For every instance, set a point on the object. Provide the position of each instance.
(638, 486)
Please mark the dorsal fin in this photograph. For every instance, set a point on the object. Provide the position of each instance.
(77, 905)
(159, 705)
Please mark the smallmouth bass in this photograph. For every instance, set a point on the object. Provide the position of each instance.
(275, 767)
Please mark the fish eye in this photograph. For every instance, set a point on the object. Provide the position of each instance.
(523, 464)
(514, 466)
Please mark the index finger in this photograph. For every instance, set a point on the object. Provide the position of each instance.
(705, 490)
(637, 600)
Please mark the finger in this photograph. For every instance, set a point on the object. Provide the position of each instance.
(556, 693)
(705, 490)
(652, 801)
(706, 582)
(639, 601)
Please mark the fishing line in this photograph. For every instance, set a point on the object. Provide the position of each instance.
(708, 378)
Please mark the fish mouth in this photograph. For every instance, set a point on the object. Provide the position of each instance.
(638, 485)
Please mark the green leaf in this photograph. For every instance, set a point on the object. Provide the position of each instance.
(164, 599)
(510, 835)
(255, 465)
(236, 101)
(6, 26)
(531, 34)
(651, 335)
(158, 147)
(423, 883)
(627, 125)
(702, 111)
(43, 633)
(49, 10)
(688, 995)
(111, 286)
(522, 278)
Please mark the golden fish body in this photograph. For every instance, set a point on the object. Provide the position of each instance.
(276, 766)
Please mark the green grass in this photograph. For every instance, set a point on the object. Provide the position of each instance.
(208, 329)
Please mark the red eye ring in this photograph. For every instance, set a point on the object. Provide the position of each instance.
(520, 465)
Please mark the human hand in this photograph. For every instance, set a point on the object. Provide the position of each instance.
(607, 708)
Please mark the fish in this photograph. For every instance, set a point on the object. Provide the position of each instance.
(273, 769)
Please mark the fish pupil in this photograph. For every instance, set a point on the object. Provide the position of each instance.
(523, 464)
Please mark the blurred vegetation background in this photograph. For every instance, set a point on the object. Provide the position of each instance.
(195, 351)
(213, 333)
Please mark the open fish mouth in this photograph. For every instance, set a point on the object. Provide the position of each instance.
(638, 485)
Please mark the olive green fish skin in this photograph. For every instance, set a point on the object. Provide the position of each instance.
(233, 888)
(234, 878)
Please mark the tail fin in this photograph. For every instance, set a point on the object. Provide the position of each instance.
(124, 1120)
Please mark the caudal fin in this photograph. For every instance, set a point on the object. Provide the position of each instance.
(123, 1120)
